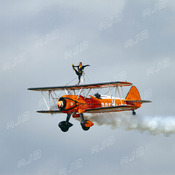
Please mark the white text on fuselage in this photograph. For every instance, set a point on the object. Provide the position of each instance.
(106, 104)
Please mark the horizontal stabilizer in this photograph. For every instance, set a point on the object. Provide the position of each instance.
(138, 101)
(145, 101)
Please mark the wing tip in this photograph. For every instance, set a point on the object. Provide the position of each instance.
(49, 112)
(32, 89)
(29, 89)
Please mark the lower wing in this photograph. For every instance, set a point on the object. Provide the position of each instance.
(50, 112)
(111, 109)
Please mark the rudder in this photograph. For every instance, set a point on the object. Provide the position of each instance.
(133, 94)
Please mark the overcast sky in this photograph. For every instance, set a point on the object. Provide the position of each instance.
(121, 40)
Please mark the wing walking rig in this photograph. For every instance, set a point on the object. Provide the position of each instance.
(75, 104)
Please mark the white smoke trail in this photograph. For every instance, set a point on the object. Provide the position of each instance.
(155, 125)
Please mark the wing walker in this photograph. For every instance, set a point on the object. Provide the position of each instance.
(79, 100)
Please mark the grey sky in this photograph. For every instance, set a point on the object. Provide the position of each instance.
(121, 40)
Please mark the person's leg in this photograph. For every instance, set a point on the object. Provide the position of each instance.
(76, 71)
(82, 80)
(79, 78)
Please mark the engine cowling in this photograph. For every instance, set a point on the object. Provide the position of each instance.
(66, 103)
(61, 104)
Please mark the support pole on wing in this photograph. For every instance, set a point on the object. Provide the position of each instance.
(53, 99)
(88, 93)
(79, 93)
(45, 101)
(119, 95)
(115, 95)
(49, 98)
(66, 92)
(122, 91)
(111, 95)
(56, 95)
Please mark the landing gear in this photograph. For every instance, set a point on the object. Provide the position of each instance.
(133, 112)
(65, 125)
(85, 124)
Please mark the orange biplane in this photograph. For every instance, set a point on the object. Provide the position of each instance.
(75, 104)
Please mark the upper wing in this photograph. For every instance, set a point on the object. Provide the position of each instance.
(85, 86)
(111, 109)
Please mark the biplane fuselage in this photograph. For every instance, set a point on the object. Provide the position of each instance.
(74, 104)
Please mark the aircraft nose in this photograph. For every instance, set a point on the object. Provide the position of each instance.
(60, 104)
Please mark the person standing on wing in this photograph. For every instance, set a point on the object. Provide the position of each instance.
(79, 70)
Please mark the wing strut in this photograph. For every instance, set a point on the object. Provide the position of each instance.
(48, 106)
(122, 91)
(119, 95)
(66, 91)
(53, 98)
(79, 93)
(49, 98)
(111, 96)
(88, 93)
(115, 95)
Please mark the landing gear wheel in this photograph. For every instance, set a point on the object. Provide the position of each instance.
(83, 125)
(64, 126)
(86, 124)
(133, 113)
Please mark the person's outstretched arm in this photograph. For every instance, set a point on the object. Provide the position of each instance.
(86, 65)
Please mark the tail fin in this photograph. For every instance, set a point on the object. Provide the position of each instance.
(133, 97)
(133, 94)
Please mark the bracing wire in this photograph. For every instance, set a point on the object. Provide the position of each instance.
(70, 81)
